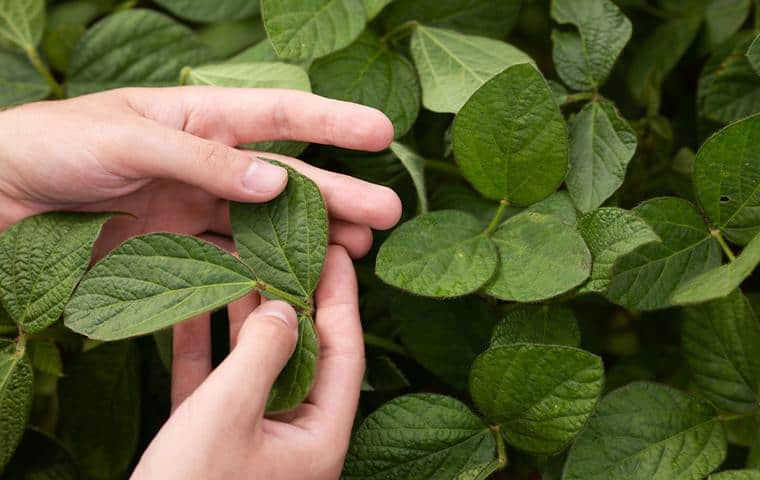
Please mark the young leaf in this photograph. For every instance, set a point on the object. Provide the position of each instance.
(284, 241)
(611, 233)
(452, 65)
(601, 145)
(646, 278)
(753, 54)
(373, 7)
(721, 343)
(22, 22)
(727, 179)
(540, 324)
(540, 396)
(646, 431)
(152, 49)
(440, 254)
(419, 436)
(210, 10)
(154, 281)
(540, 257)
(15, 397)
(510, 138)
(41, 457)
(584, 58)
(248, 75)
(415, 165)
(42, 259)
(19, 82)
(296, 379)
(736, 475)
(369, 73)
(303, 29)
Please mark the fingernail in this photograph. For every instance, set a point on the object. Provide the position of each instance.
(279, 310)
(263, 177)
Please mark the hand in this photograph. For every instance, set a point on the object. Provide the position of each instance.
(166, 157)
(218, 429)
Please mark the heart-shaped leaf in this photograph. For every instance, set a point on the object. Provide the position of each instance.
(15, 397)
(295, 381)
(211, 10)
(19, 82)
(22, 22)
(541, 324)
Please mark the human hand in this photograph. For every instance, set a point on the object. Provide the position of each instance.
(165, 156)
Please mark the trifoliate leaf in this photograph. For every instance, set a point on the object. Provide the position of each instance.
(15, 397)
(210, 10)
(296, 379)
(753, 54)
(415, 165)
(19, 81)
(541, 324)
(248, 75)
(22, 22)
(41, 457)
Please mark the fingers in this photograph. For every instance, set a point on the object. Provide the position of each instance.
(238, 311)
(356, 239)
(191, 360)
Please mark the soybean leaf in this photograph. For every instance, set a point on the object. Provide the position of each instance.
(373, 7)
(611, 233)
(539, 395)
(541, 324)
(462, 197)
(295, 381)
(306, 29)
(65, 24)
(369, 73)
(753, 54)
(22, 22)
(133, 48)
(419, 436)
(15, 397)
(559, 205)
(154, 281)
(284, 241)
(539, 257)
(100, 409)
(584, 58)
(384, 375)
(42, 259)
(41, 457)
(721, 343)
(263, 52)
(229, 38)
(439, 254)
(601, 145)
(415, 165)
(248, 75)
(646, 431)
(510, 138)
(210, 10)
(727, 179)
(452, 65)
(646, 278)
(723, 18)
(19, 82)
(736, 475)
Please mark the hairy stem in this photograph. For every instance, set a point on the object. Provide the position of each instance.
(726, 249)
(21, 343)
(578, 97)
(44, 71)
(497, 218)
(501, 449)
(301, 305)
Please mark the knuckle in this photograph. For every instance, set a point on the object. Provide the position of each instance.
(214, 156)
(281, 120)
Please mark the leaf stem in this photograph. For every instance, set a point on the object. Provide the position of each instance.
(728, 417)
(578, 97)
(503, 204)
(399, 31)
(383, 343)
(302, 305)
(501, 449)
(443, 167)
(44, 71)
(21, 343)
(183, 74)
(726, 249)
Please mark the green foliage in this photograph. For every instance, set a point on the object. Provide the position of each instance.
(542, 324)
(21, 22)
(15, 397)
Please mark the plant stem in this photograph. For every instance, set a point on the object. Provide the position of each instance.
(399, 31)
(383, 343)
(726, 249)
(727, 417)
(578, 97)
(44, 71)
(303, 306)
(21, 343)
(443, 167)
(497, 218)
(501, 449)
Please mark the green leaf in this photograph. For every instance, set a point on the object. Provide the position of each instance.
(736, 475)
(539, 395)
(646, 278)
(15, 397)
(753, 54)
(248, 75)
(384, 375)
(462, 197)
(646, 431)
(369, 73)
(100, 409)
(611, 233)
(41, 457)
(584, 58)
(541, 324)
(452, 65)
(419, 436)
(415, 165)
(440, 254)
(559, 205)
(229, 38)
(510, 138)
(721, 343)
(727, 179)
(133, 48)
(22, 22)
(66, 23)
(540, 257)
(296, 379)
(42, 259)
(284, 241)
(151, 282)
(723, 18)
(210, 10)
(263, 52)
(601, 145)
(373, 7)
(19, 81)
(302, 29)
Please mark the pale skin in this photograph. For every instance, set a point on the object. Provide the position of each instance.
(166, 157)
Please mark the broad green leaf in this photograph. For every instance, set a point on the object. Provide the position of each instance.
(539, 395)
(510, 138)
(383, 374)
(373, 7)
(66, 23)
(263, 52)
(419, 436)
(19, 81)
(721, 343)
(42, 259)
(22, 22)
(415, 165)
(541, 324)
(728, 86)
(611, 233)
(15, 397)
(440, 254)
(736, 475)
(584, 57)
(646, 278)
(154, 281)
(41, 457)
(152, 49)
(369, 73)
(229, 38)
(445, 336)
(753, 54)
(100, 409)
(559, 205)
(452, 65)
(723, 18)
(601, 145)
(284, 241)
(248, 75)
(296, 379)
(727, 179)
(540, 257)
(210, 10)
(647, 431)
(303, 29)
(462, 197)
